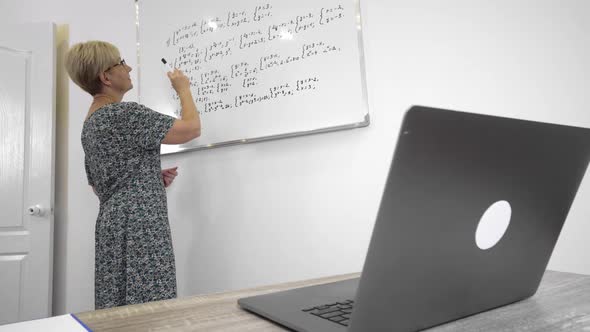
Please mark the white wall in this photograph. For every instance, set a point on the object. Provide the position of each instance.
(304, 207)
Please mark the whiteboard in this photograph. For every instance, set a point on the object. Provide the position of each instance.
(259, 69)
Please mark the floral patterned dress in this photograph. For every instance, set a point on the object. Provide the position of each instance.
(134, 256)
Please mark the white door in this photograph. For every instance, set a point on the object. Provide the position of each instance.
(27, 126)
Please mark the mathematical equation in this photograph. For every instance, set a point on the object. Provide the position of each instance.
(220, 82)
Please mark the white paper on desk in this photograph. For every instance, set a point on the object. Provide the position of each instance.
(64, 323)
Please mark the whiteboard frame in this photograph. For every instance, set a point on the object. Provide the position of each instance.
(364, 98)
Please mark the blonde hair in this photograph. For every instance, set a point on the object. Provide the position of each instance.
(85, 61)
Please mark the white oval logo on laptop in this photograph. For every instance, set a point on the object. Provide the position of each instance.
(493, 225)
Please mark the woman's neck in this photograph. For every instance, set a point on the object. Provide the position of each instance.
(104, 98)
(101, 99)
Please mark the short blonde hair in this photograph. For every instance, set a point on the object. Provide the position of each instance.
(85, 61)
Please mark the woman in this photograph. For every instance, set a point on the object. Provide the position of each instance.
(121, 140)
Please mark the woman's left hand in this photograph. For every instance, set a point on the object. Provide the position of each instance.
(168, 175)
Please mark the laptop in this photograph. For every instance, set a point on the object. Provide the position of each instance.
(471, 210)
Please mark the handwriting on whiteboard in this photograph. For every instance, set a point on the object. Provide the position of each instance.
(210, 52)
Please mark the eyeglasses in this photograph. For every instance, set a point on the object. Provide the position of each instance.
(121, 63)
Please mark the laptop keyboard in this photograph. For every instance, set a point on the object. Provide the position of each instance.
(338, 312)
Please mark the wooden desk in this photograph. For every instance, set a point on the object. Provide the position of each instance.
(561, 304)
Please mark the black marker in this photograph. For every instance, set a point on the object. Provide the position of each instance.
(167, 64)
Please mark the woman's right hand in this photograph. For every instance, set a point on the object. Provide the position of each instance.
(188, 127)
(179, 80)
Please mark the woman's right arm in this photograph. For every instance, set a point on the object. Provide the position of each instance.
(188, 127)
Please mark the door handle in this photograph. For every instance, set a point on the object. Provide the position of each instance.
(36, 210)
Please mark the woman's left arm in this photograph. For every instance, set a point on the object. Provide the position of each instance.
(168, 175)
